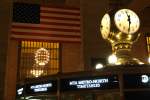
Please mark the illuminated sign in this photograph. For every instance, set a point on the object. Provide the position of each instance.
(43, 87)
(84, 83)
(137, 81)
(88, 83)
(20, 91)
(144, 78)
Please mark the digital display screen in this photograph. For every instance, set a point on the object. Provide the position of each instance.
(90, 83)
(43, 87)
(137, 81)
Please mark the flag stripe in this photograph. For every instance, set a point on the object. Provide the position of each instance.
(60, 20)
(58, 39)
(47, 29)
(22, 25)
(52, 15)
(75, 11)
(51, 35)
(60, 23)
(55, 23)
(61, 7)
(30, 31)
(60, 11)
(64, 13)
(59, 17)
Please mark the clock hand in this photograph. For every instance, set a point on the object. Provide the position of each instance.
(129, 20)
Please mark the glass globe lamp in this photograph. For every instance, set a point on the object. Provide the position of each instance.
(41, 56)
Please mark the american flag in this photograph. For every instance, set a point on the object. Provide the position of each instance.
(43, 22)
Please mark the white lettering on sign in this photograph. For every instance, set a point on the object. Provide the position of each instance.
(41, 87)
(145, 78)
(88, 83)
(20, 91)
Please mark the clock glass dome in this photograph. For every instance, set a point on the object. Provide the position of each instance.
(105, 26)
(127, 21)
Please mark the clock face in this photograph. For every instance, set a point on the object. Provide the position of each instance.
(127, 21)
(105, 26)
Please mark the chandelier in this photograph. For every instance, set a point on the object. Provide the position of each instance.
(36, 72)
(41, 56)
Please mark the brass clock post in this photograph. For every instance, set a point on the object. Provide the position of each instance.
(121, 30)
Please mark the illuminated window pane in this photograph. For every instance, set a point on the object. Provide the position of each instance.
(27, 65)
(148, 45)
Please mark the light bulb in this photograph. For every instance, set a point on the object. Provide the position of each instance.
(99, 66)
(112, 59)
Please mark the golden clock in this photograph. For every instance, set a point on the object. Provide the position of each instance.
(127, 21)
(105, 26)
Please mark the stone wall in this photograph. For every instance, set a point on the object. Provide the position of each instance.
(72, 59)
(5, 13)
(93, 44)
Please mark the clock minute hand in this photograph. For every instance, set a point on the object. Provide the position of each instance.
(129, 20)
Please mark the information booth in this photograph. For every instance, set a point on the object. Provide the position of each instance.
(130, 82)
(96, 87)
(72, 86)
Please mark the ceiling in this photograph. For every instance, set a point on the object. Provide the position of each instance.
(142, 8)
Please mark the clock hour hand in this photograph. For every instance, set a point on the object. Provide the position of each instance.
(129, 20)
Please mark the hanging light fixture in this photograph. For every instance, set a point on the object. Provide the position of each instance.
(42, 56)
(36, 71)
